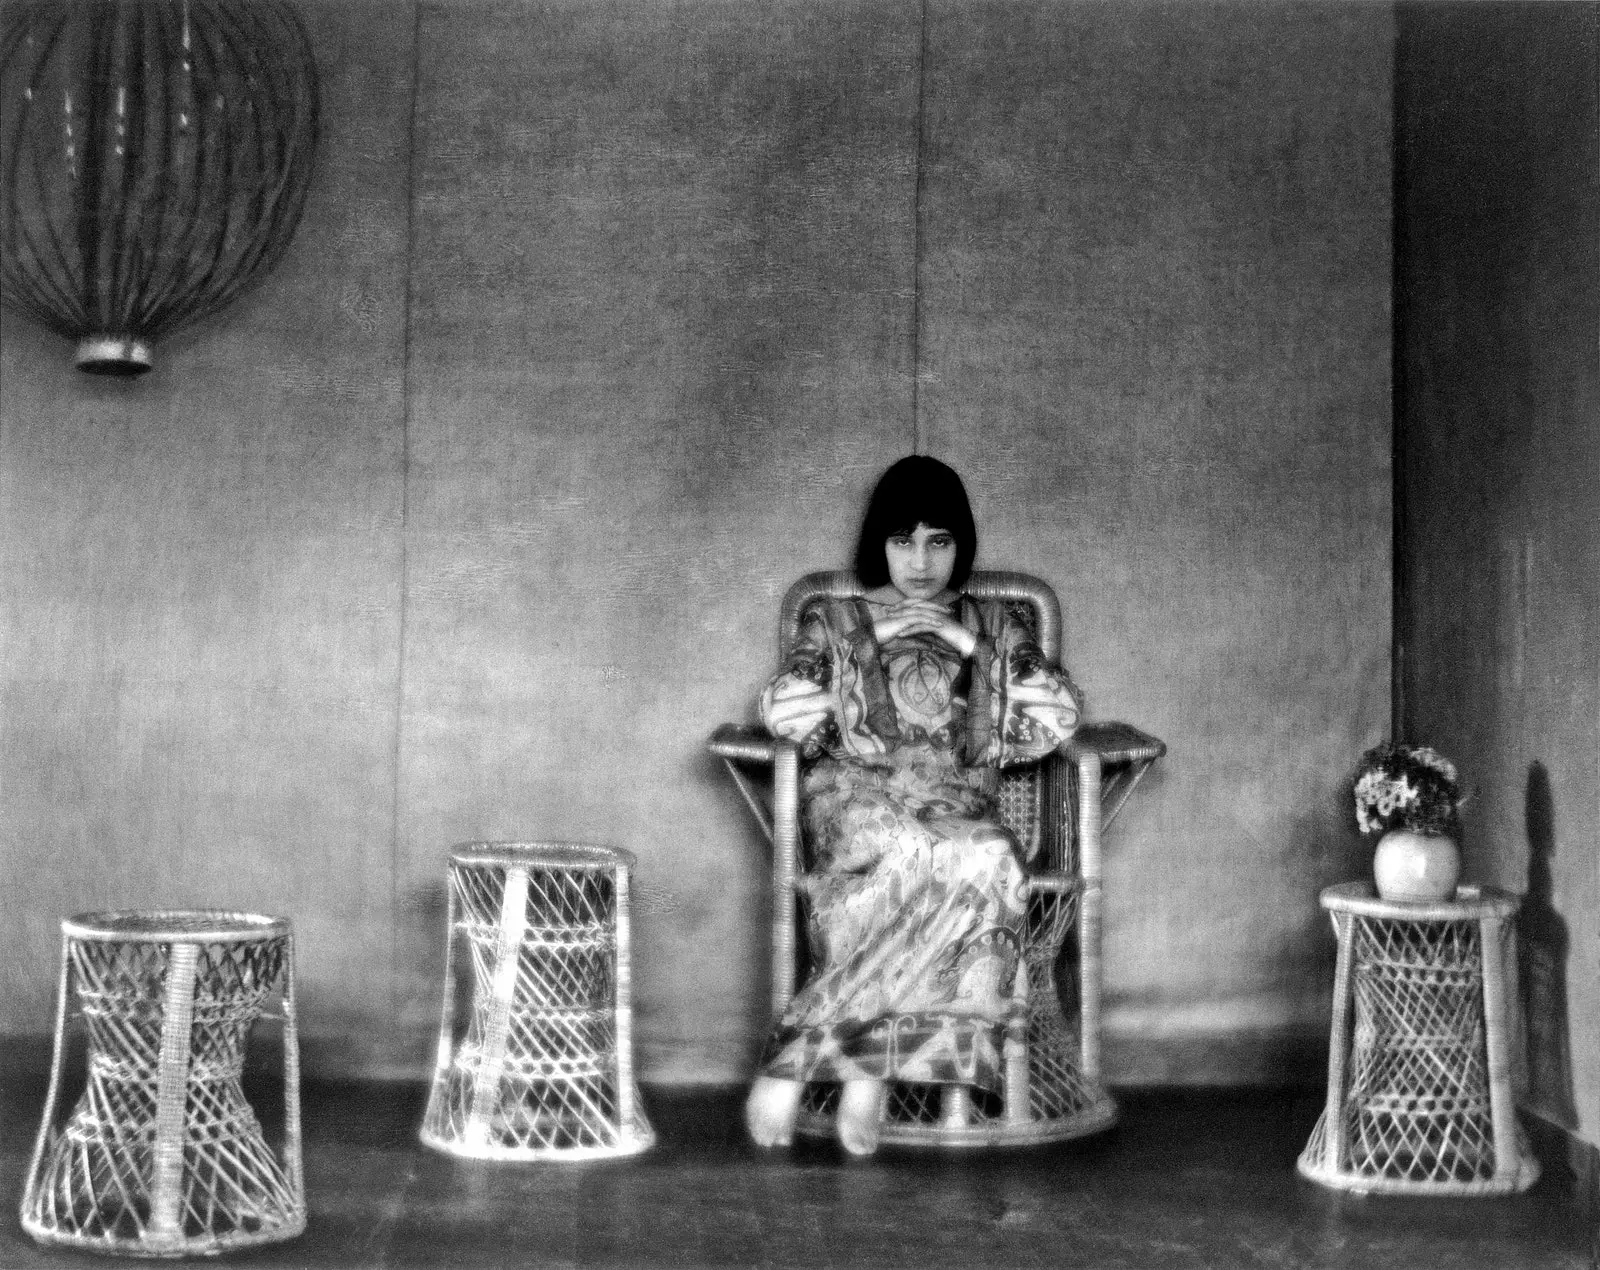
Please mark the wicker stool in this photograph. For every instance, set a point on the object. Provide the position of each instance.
(545, 1069)
(1419, 1100)
(162, 1156)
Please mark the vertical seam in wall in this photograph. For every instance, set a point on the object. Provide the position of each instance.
(405, 507)
(1593, 21)
(916, 235)
(1400, 620)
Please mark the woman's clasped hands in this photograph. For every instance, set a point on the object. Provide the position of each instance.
(923, 617)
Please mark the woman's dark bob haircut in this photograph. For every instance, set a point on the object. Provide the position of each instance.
(915, 491)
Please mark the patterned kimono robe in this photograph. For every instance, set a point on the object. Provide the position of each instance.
(917, 893)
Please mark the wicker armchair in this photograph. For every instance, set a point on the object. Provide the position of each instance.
(1062, 804)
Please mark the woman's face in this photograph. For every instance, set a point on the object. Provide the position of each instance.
(921, 562)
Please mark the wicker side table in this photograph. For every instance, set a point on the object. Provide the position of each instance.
(162, 1156)
(544, 1069)
(1419, 1096)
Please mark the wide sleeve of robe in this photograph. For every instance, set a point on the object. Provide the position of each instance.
(1020, 708)
(1033, 707)
(799, 703)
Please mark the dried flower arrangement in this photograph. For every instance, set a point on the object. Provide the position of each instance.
(1407, 787)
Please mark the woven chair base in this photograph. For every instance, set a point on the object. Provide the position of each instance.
(191, 1246)
(564, 1118)
(1437, 1169)
(629, 1139)
(90, 1191)
(544, 1070)
(161, 1155)
(1062, 1105)
(1420, 1100)
(983, 1131)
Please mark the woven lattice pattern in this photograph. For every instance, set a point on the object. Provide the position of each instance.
(1018, 802)
(1417, 1107)
(1057, 1089)
(1419, 1096)
(162, 1155)
(541, 1068)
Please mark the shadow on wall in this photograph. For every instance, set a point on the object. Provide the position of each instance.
(1544, 948)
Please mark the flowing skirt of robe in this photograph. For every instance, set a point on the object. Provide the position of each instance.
(917, 905)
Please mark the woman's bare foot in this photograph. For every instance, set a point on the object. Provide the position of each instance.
(771, 1109)
(860, 1107)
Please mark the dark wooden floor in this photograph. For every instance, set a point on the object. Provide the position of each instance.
(1188, 1179)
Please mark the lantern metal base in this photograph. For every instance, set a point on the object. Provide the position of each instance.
(113, 355)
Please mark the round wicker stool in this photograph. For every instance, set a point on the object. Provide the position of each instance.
(1419, 1098)
(544, 1069)
(162, 1156)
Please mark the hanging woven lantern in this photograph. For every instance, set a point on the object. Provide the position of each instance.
(154, 161)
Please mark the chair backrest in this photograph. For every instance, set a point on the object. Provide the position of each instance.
(983, 584)
(1029, 797)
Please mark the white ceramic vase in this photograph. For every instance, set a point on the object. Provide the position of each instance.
(1412, 867)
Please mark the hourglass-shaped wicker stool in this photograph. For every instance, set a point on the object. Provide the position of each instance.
(545, 1067)
(1419, 1097)
(162, 1156)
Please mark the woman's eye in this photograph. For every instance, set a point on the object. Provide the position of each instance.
(899, 540)
(943, 544)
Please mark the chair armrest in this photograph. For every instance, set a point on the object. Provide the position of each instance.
(1053, 900)
(1114, 743)
(1053, 882)
(743, 743)
(777, 815)
(1125, 754)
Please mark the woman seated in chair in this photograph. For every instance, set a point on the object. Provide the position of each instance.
(907, 701)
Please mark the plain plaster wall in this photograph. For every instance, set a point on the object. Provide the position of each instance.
(1498, 284)
(473, 521)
